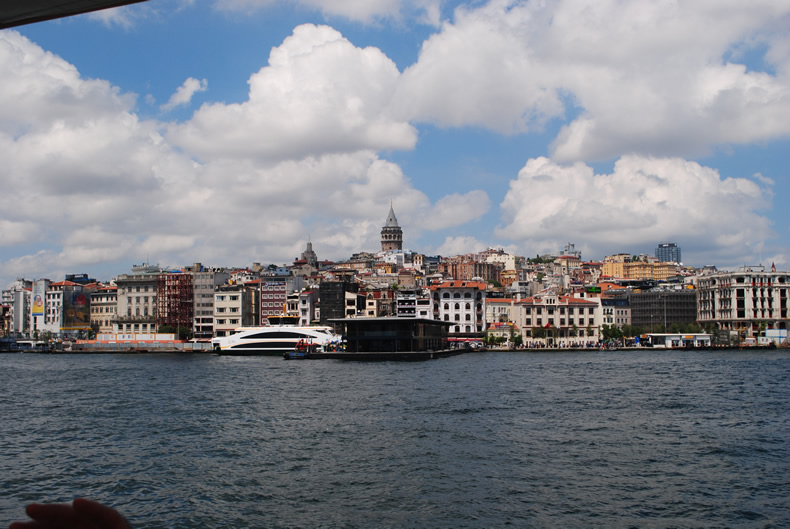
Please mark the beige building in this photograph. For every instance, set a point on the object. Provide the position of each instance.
(136, 311)
(562, 320)
(638, 269)
(234, 307)
(104, 306)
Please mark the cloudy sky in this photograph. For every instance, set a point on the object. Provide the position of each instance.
(231, 131)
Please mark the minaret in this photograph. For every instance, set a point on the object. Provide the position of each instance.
(391, 234)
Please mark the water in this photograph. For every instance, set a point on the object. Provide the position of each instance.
(617, 439)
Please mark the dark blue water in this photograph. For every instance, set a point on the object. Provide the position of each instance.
(620, 439)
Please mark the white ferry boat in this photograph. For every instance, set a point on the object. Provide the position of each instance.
(274, 340)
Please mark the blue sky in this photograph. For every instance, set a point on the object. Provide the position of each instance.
(230, 131)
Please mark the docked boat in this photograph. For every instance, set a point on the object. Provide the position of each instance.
(304, 349)
(274, 340)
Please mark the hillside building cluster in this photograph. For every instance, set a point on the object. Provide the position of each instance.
(553, 300)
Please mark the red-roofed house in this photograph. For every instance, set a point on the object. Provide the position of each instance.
(564, 320)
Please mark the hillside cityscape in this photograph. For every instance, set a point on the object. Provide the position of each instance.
(544, 301)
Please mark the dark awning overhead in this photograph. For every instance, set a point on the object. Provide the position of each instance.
(19, 12)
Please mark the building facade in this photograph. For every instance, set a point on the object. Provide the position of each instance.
(104, 305)
(136, 311)
(746, 301)
(462, 303)
(657, 310)
(668, 252)
(559, 320)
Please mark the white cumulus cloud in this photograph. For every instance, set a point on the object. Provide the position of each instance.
(319, 94)
(656, 78)
(183, 95)
(642, 200)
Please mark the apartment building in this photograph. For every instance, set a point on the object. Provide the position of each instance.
(462, 303)
(136, 295)
(745, 301)
(559, 320)
(104, 306)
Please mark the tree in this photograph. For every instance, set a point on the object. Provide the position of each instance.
(539, 332)
(590, 331)
(518, 340)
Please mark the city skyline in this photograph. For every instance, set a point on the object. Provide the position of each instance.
(234, 132)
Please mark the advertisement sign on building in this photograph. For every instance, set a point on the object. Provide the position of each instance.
(39, 296)
(76, 309)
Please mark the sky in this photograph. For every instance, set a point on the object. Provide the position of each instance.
(229, 132)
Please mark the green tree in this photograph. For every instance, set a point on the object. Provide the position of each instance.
(539, 332)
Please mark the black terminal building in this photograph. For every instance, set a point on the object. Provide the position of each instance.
(394, 335)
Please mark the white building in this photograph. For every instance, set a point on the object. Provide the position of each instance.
(745, 300)
(462, 303)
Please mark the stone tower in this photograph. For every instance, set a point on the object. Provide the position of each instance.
(391, 234)
(309, 255)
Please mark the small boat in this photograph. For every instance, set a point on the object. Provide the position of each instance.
(303, 350)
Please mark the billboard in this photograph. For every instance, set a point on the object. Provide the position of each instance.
(76, 309)
(39, 297)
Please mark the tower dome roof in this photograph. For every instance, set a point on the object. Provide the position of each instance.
(392, 221)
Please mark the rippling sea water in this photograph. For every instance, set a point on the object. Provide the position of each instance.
(572, 439)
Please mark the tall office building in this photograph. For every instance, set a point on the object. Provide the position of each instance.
(668, 252)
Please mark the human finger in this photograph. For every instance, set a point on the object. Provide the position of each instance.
(53, 514)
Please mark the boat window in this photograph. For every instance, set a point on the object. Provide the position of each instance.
(275, 334)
